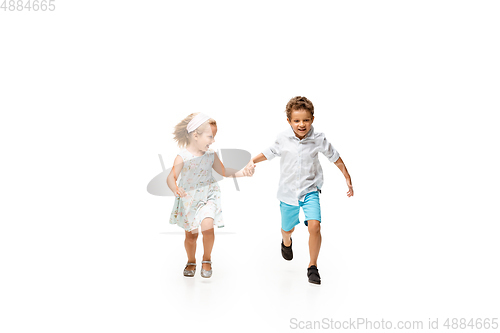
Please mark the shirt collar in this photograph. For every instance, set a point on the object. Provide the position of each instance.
(291, 133)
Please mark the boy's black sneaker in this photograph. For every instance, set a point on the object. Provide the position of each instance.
(313, 275)
(286, 251)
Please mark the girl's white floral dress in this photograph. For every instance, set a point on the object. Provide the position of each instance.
(203, 192)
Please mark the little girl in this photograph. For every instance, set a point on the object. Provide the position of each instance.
(197, 203)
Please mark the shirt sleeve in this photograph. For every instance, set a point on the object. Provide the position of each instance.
(273, 151)
(328, 150)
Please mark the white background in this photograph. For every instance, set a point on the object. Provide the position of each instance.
(407, 92)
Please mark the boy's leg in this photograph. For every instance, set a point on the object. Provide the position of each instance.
(287, 241)
(314, 228)
(289, 219)
(286, 250)
(190, 245)
(312, 212)
(207, 229)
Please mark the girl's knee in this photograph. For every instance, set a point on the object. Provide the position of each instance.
(208, 232)
(207, 226)
(191, 236)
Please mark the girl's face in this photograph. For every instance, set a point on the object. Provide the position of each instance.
(204, 140)
(301, 121)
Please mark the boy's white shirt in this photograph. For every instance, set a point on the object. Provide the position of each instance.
(300, 171)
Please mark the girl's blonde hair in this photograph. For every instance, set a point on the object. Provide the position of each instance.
(181, 134)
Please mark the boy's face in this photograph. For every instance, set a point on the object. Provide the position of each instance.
(301, 121)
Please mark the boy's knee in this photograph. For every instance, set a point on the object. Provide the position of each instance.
(314, 226)
(289, 231)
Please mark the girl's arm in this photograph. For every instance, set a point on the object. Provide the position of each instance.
(340, 164)
(172, 177)
(228, 172)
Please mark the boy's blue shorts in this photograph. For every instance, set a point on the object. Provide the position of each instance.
(290, 214)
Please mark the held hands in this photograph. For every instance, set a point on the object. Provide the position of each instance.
(249, 169)
(350, 193)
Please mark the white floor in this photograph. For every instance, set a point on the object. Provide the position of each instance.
(371, 269)
(118, 266)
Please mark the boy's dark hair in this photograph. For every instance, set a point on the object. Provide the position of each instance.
(299, 103)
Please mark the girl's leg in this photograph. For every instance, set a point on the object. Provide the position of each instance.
(286, 236)
(207, 229)
(190, 245)
(314, 228)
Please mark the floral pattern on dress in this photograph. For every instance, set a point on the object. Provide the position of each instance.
(203, 195)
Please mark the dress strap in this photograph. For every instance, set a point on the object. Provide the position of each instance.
(183, 154)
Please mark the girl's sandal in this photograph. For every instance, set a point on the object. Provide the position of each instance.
(188, 272)
(205, 273)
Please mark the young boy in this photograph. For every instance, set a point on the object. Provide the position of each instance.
(301, 177)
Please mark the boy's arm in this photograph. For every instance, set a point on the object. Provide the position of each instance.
(340, 164)
(269, 153)
(250, 167)
(333, 155)
(259, 158)
(327, 149)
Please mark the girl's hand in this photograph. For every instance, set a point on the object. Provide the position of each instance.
(249, 169)
(180, 192)
(350, 193)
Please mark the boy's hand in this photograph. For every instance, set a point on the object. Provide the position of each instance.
(180, 192)
(350, 193)
(249, 169)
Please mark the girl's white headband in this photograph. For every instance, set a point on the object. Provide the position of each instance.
(196, 122)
